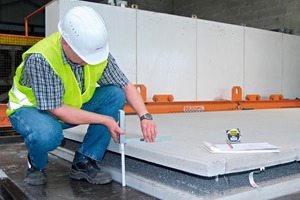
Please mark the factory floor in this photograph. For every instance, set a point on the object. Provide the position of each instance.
(13, 160)
(59, 186)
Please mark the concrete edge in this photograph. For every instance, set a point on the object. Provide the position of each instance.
(2, 174)
(268, 192)
(149, 187)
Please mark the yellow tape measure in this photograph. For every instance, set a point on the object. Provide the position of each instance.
(233, 135)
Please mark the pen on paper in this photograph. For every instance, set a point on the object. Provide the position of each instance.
(230, 145)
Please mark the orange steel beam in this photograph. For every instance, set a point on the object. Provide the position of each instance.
(186, 106)
(253, 101)
(208, 106)
(269, 104)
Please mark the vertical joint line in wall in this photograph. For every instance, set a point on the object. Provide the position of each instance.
(196, 59)
(282, 63)
(244, 57)
(136, 47)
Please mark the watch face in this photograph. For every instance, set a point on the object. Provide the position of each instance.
(148, 116)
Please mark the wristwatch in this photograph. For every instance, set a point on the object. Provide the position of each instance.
(147, 116)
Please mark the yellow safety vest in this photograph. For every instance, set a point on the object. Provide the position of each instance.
(50, 48)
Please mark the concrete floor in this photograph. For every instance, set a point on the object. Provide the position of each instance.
(59, 186)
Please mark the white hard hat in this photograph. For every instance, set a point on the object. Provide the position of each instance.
(85, 32)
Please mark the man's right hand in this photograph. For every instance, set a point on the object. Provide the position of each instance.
(113, 128)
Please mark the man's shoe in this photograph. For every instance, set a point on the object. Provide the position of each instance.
(87, 168)
(34, 176)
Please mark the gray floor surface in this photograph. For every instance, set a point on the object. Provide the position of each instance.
(59, 186)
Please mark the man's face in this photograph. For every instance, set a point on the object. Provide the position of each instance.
(72, 56)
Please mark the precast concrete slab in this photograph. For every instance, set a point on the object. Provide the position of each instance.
(188, 131)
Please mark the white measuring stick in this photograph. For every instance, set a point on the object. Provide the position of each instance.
(123, 141)
(122, 145)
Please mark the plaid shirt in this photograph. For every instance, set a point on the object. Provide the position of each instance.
(48, 88)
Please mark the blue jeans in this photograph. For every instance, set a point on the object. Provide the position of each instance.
(43, 133)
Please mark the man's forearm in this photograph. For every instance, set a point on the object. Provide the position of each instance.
(73, 115)
(135, 100)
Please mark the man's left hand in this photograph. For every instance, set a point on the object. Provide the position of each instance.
(149, 130)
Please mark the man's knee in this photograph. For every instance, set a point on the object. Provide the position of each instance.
(48, 139)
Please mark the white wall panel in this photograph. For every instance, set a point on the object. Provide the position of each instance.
(51, 17)
(219, 59)
(291, 67)
(166, 54)
(194, 59)
(121, 27)
(263, 62)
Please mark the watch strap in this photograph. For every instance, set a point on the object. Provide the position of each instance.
(147, 116)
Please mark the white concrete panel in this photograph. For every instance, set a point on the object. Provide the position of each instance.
(51, 17)
(291, 67)
(263, 62)
(194, 59)
(166, 54)
(188, 131)
(220, 56)
(121, 27)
